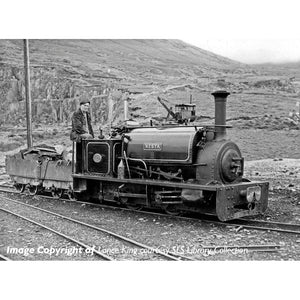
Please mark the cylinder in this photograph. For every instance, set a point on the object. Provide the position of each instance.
(220, 113)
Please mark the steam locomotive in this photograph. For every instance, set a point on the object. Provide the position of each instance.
(173, 167)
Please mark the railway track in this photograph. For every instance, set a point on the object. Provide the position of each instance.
(3, 257)
(151, 250)
(67, 237)
(267, 226)
(240, 223)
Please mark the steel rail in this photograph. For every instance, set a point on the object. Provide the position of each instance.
(266, 226)
(8, 187)
(3, 257)
(255, 227)
(120, 237)
(271, 223)
(13, 191)
(99, 253)
(107, 206)
(240, 222)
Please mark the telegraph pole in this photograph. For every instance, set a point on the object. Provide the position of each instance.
(28, 94)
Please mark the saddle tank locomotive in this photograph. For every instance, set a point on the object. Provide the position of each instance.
(173, 167)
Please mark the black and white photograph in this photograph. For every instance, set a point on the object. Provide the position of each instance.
(175, 141)
(146, 149)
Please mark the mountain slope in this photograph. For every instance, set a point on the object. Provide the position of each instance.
(138, 60)
(65, 71)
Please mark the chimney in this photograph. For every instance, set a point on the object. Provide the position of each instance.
(220, 113)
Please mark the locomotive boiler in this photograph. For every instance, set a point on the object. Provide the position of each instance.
(171, 167)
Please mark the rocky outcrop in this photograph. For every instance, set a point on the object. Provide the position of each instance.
(54, 96)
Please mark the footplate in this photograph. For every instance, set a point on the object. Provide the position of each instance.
(240, 200)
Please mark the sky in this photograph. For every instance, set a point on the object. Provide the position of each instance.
(253, 31)
(253, 51)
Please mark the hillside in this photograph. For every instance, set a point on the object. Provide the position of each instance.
(106, 71)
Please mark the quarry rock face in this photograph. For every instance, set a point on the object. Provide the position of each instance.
(54, 96)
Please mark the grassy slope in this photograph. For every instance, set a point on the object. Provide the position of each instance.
(122, 57)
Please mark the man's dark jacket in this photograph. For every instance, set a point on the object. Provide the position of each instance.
(78, 124)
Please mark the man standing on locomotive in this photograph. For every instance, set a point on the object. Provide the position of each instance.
(81, 129)
(81, 123)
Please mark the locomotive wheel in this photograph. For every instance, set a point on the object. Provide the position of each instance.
(57, 193)
(134, 206)
(70, 195)
(20, 187)
(61, 193)
(82, 196)
(33, 190)
(171, 210)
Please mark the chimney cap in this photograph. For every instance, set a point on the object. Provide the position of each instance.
(222, 93)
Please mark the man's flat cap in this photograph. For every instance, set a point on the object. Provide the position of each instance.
(84, 102)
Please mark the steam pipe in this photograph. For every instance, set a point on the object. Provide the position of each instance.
(220, 113)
